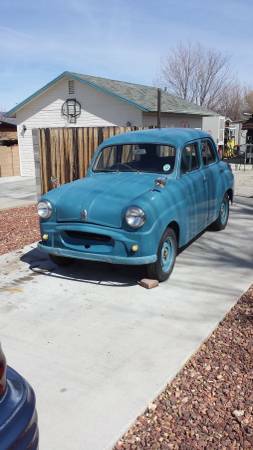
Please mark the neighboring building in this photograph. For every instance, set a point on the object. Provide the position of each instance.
(9, 154)
(247, 130)
(215, 125)
(240, 132)
(75, 100)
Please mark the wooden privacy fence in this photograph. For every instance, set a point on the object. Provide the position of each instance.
(9, 161)
(65, 153)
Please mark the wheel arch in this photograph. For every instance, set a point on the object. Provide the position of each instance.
(175, 227)
(230, 194)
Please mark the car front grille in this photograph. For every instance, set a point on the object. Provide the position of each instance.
(91, 237)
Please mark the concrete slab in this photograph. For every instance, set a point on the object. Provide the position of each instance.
(97, 347)
(244, 182)
(17, 191)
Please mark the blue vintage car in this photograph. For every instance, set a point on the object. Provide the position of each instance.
(18, 417)
(147, 193)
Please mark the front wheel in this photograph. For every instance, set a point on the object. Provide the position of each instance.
(60, 260)
(222, 219)
(166, 256)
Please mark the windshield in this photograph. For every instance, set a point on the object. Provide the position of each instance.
(136, 158)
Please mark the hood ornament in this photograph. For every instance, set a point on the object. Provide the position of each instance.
(84, 214)
(160, 182)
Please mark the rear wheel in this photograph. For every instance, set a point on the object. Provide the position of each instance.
(166, 256)
(60, 260)
(222, 219)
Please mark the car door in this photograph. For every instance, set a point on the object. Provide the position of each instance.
(194, 190)
(213, 179)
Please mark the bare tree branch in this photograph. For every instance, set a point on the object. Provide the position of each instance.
(202, 76)
(249, 101)
(232, 103)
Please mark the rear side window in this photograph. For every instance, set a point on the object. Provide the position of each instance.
(208, 153)
(190, 159)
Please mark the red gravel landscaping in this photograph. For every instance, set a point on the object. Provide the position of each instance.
(18, 227)
(209, 405)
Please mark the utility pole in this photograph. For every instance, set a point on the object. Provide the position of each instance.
(158, 108)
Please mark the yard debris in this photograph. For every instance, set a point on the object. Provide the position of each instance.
(148, 283)
(152, 406)
(209, 404)
(18, 227)
(237, 413)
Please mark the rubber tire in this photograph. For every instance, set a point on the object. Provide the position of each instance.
(217, 225)
(154, 270)
(60, 260)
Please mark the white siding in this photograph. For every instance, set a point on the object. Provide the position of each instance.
(172, 120)
(214, 125)
(98, 109)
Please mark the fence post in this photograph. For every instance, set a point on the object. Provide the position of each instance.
(36, 150)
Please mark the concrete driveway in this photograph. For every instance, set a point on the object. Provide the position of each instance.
(97, 347)
(17, 191)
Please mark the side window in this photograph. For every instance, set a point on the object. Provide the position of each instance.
(208, 153)
(190, 159)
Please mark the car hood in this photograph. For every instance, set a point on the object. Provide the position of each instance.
(104, 196)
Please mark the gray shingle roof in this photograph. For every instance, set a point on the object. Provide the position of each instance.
(145, 96)
(139, 95)
(5, 119)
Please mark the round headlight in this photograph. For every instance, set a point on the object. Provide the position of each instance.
(44, 209)
(135, 217)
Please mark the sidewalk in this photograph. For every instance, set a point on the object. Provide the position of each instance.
(17, 191)
(243, 182)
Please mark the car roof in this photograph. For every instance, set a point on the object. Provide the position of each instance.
(173, 136)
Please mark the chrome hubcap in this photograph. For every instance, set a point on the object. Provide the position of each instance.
(167, 254)
(224, 211)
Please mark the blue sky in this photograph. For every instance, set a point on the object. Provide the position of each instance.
(114, 38)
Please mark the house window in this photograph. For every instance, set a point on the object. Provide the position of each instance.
(71, 86)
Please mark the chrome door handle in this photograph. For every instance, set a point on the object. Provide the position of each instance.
(204, 180)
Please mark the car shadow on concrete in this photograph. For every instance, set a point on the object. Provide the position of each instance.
(89, 271)
(213, 251)
(84, 271)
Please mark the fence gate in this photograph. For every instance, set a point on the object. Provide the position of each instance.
(65, 153)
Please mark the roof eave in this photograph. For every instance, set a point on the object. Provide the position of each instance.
(107, 91)
(65, 74)
(14, 110)
(188, 113)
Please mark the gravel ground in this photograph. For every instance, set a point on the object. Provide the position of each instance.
(209, 405)
(18, 227)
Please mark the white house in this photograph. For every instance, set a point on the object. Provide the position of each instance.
(75, 100)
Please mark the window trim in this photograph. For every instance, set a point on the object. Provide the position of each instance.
(177, 153)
